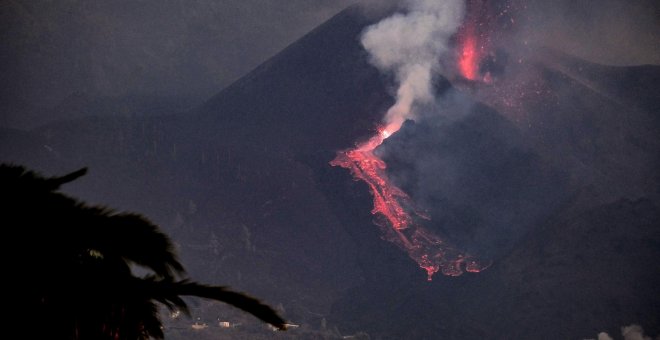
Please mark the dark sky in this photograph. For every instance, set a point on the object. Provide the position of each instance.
(173, 47)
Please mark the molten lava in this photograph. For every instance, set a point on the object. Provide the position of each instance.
(392, 207)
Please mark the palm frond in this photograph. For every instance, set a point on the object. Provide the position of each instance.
(92, 248)
(55, 182)
(171, 290)
(137, 240)
(28, 179)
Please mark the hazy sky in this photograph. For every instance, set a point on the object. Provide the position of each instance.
(185, 48)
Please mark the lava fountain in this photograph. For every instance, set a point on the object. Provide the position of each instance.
(474, 38)
(468, 61)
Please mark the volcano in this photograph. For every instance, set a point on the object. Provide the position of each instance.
(550, 171)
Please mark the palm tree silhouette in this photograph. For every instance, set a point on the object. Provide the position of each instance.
(72, 274)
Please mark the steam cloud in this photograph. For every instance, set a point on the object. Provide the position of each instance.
(409, 45)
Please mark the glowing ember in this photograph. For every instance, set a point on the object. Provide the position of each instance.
(392, 206)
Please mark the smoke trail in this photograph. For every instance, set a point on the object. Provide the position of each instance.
(410, 46)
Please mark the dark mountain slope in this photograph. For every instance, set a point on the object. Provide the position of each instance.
(318, 94)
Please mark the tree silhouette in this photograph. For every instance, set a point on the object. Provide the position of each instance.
(71, 268)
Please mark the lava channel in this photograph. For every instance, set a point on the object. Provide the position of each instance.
(393, 207)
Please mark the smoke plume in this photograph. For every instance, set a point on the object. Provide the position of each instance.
(632, 332)
(409, 45)
(604, 336)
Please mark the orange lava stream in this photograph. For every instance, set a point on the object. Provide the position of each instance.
(392, 206)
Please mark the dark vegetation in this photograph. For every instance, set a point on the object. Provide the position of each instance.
(74, 271)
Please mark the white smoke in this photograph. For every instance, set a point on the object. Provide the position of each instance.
(604, 336)
(632, 332)
(410, 45)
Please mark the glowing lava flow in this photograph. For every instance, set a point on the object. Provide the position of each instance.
(391, 206)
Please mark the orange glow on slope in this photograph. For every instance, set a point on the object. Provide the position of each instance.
(392, 206)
